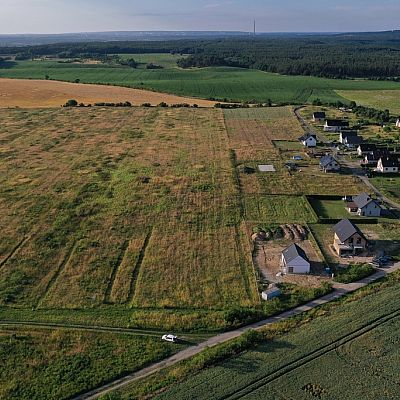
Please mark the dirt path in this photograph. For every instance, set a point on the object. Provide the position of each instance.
(28, 93)
(339, 291)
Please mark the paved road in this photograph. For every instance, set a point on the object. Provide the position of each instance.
(339, 291)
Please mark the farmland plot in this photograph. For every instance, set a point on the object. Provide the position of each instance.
(135, 207)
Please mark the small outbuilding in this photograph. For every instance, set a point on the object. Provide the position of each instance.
(295, 261)
(272, 292)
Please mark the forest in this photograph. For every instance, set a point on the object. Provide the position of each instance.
(365, 55)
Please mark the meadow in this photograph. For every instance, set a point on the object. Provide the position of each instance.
(348, 351)
(220, 83)
(380, 99)
(58, 364)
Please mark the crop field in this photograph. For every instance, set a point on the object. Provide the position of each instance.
(218, 83)
(135, 207)
(57, 364)
(350, 352)
(380, 99)
(42, 94)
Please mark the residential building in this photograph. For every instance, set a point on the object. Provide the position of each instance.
(329, 164)
(335, 125)
(388, 164)
(309, 140)
(352, 142)
(346, 134)
(295, 261)
(398, 123)
(371, 159)
(348, 239)
(319, 116)
(364, 148)
(364, 206)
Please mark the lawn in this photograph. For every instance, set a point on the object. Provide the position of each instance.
(219, 83)
(334, 209)
(389, 186)
(346, 350)
(381, 99)
(58, 364)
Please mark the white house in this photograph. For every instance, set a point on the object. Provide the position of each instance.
(398, 123)
(364, 206)
(365, 148)
(329, 164)
(335, 125)
(388, 165)
(309, 140)
(295, 261)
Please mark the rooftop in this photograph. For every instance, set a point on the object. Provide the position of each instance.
(345, 229)
(292, 252)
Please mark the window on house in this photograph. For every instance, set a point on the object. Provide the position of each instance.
(359, 241)
(351, 240)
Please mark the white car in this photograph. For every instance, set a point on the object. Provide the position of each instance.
(170, 338)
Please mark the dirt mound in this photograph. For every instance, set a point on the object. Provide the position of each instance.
(294, 232)
(287, 232)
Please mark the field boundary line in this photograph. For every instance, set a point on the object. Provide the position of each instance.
(14, 251)
(310, 357)
(114, 272)
(60, 268)
(137, 267)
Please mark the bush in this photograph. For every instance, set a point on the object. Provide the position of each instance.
(353, 273)
(71, 103)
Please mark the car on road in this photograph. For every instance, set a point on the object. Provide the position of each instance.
(170, 338)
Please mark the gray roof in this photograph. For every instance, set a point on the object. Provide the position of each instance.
(348, 133)
(325, 160)
(354, 139)
(306, 136)
(345, 229)
(336, 122)
(362, 200)
(367, 146)
(319, 114)
(390, 161)
(293, 252)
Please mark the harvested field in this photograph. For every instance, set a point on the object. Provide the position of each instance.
(27, 93)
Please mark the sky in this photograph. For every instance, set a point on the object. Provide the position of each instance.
(65, 16)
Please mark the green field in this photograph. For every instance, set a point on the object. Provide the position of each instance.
(381, 99)
(58, 364)
(350, 352)
(218, 83)
(389, 186)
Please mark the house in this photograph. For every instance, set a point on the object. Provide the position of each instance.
(352, 142)
(329, 164)
(295, 261)
(348, 239)
(372, 158)
(398, 123)
(346, 134)
(319, 116)
(364, 148)
(309, 140)
(272, 292)
(388, 164)
(364, 206)
(335, 125)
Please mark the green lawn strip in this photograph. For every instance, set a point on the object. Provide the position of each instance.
(389, 186)
(327, 323)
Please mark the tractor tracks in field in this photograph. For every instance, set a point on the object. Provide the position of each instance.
(14, 251)
(310, 357)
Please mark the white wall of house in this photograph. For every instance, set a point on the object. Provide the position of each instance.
(398, 123)
(370, 210)
(310, 142)
(387, 170)
(296, 266)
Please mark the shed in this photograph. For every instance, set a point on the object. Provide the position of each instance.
(272, 292)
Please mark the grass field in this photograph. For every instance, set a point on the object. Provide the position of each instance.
(57, 364)
(26, 93)
(381, 99)
(389, 186)
(349, 352)
(219, 83)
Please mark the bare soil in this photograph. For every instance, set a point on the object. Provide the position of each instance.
(27, 93)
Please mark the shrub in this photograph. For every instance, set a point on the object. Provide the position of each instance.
(354, 273)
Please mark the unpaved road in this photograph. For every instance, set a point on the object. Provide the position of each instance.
(339, 291)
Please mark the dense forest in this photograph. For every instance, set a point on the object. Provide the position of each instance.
(368, 55)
